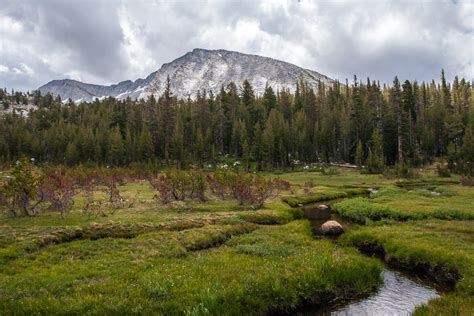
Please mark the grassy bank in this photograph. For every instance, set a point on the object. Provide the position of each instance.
(442, 250)
(453, 202)
(247, 269)
(325, 194)
(363, 210)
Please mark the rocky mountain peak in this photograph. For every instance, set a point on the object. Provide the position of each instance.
(198, 70)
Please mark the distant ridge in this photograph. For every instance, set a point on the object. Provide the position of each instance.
(196, 70)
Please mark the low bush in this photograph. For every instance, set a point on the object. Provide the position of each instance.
(109, 186)
(21, 192)
(246, 188)
(115, 199)
(58, 190)
(331, 171)
(400, 171)
(467, 182)
(180, 186)
(443, 171)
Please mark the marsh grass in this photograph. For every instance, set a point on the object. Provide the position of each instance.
(452, 202)
(324, 195)
(363, 210)
(443, 250)
(257, 270)
(219, 257)
(272, 268)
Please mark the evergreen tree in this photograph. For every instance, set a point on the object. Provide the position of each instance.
(374, 162)
(145, 145)
(269, 99)
(71, 154)
(359, 154)
(117, 150)
(167, 109)
(177, 143)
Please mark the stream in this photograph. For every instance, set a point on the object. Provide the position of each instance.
(399, 294)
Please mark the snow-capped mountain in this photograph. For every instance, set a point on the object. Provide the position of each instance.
(198, 70)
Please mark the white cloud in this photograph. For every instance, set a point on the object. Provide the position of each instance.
(4, 68)
(107, 41)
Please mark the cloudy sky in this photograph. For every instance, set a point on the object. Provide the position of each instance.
(109, 41)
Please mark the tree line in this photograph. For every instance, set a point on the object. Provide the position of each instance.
(365, 123)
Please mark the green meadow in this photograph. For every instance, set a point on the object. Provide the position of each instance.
(219, 257)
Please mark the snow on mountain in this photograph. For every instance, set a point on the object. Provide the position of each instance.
(198, 70)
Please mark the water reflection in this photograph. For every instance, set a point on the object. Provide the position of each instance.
(399, 294)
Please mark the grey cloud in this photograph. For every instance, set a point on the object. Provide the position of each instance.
(110, 41)
(90, 30)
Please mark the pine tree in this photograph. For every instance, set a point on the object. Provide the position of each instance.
(375, 161)
(145, 145)
(466, 154)
(246, 155)
(258, 146)
(200, 147)
(269, 99)
(396, 104)
(71, 154)
(359, 154)
(407, 122)
(167, 110)
(177, 143)
(116, 151)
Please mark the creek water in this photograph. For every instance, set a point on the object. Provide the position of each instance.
(399, 294)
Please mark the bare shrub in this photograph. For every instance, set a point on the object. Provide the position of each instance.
(245, 188)
(115, 199)
(282, 185)
(467, 182)
(58, 190)
(180, 186)
(163, 187)
(307, 187)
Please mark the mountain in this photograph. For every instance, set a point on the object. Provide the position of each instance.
(196, 70)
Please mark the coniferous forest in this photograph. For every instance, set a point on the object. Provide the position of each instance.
(363, 123)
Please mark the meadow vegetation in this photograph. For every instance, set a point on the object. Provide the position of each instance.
(107, 241)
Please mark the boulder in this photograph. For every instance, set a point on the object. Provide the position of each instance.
(323, 207)
(332, 228)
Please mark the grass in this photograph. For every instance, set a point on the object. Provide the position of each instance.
(452, 197)
(443, 250)
(264, 269)
(221, 258)
(364, 210)
(324, 195)
(273, 268)
(407, 184)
